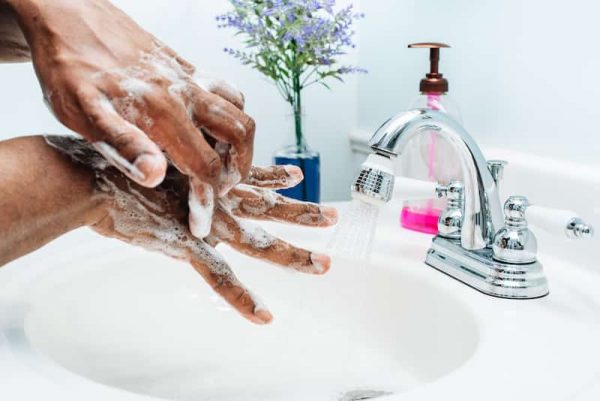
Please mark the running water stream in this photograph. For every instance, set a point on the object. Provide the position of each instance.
(353, 237)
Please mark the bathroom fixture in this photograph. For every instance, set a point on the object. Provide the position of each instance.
(430, 157)
(478, 244)
(376, 184)
(515, 243)
(115, 343)
(450, 221)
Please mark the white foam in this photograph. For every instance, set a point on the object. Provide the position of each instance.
(136, 219)
(212, 84)
(307, 218)
(201, 211)
(164, 65)
(135, 87)
(230, 202)
(317, 267)
(255, 235)
(219, 111)
(119, 161)
(127, 109)
(264, 200)
(136, 81)
(222, 230)
(229, 179)
(259, 305)
(143, 221)
(76, 150)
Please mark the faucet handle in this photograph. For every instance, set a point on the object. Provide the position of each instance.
(496, 168)
(451, 220)
(515, 243)
(515, 210)
(560, 222)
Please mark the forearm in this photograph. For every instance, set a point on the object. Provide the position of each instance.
(43, 195)
(13, 45)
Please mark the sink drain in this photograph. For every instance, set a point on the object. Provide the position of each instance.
(360, 395)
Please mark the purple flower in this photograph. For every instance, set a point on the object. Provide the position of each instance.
(296, 43)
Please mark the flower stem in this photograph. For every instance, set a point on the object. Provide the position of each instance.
(297, 105)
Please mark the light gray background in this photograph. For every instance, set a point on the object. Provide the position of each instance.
(525, 73)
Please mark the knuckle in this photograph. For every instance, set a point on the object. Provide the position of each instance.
(212, 166)
(122, 139)
(309, 209)
(159, 80)
(249, 127)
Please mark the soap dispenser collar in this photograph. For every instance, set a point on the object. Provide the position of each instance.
(433, 81)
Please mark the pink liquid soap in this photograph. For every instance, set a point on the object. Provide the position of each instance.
(421, 220)
(425, 220)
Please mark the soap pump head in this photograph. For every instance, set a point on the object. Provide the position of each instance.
(433, 81)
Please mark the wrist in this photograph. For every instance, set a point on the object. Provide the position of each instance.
(79, 179)
(40, 19)
(24, 12)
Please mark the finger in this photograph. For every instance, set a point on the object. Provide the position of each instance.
(201, 202)
(146, 218)
(229, 125)
(192, 156)
(252, 240)
(274, 177)
(123, 144)
(220, 87)
(175, 241)
(185, 65)
(217, 273)
(261, 204)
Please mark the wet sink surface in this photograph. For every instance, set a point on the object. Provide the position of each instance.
(143, 323)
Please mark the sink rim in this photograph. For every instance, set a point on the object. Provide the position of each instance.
(488, 312)
(430, 289)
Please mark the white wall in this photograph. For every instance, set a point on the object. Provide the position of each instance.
(521, 71)
(189, 27)
(525, 73)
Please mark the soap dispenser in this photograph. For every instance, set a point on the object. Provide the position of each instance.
(430, 156)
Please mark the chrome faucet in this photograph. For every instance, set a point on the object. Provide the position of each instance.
(483, 211)
(476, 244)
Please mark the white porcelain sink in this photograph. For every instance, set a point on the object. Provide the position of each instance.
(87, 318)
(141, 322)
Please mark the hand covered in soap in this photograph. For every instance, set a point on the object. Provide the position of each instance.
(156, 220)
(109, 80)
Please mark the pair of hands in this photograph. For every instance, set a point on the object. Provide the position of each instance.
(156, 219)
(133, 97)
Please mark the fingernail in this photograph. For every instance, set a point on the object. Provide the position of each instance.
(152, 167)
(330, 213)
(263, 316)
(295, 174)
(321, 263)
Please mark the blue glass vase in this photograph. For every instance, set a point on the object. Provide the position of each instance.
(309, 162)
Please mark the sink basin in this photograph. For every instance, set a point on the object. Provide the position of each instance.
(85, 318)
(144, 323)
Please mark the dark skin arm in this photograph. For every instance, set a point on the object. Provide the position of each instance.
(42, 198)
(48, 190)
(13, 46)
(115, 84)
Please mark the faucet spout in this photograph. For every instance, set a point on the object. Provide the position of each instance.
(483, 211)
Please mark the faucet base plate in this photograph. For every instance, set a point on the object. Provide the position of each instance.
(480, 271)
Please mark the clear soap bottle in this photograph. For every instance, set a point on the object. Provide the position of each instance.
(430, 156)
